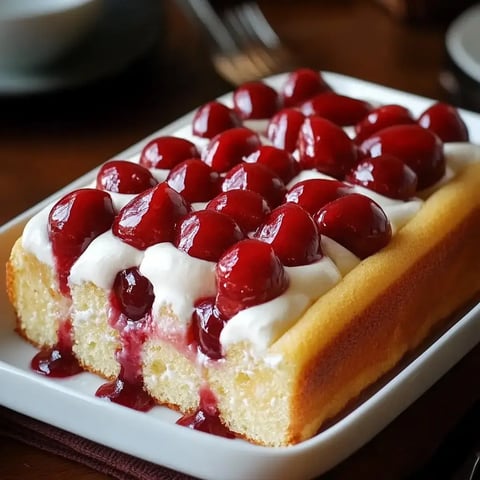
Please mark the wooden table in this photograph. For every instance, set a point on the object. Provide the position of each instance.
(48, 140)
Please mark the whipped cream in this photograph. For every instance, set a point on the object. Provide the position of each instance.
(179, 280)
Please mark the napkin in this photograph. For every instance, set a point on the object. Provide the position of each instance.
(98, 457)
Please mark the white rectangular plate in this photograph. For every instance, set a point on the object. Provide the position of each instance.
(71, 404)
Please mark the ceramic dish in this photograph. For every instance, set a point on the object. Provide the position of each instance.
(71, 404)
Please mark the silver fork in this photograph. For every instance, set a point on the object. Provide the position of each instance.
(243, 44)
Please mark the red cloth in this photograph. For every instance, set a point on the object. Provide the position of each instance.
(98, 457)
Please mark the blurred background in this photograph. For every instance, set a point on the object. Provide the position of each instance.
(143, 63)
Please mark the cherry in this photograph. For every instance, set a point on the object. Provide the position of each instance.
(382, 117)
(195, 180)
(256, 177)
(166, 152)
(132, 294)
(337, 108)
(248, 273)
(292, 233)
(356, 222)
(121, 176)
(214, 118)
(246, 207)
(301, 85)
(315, 193)
(419, 148)
(207, 325)
(444, 120)
(150, 217)
(206, 234)
(323, 145)
(74, 221)
(278, 160)
(253, 100)
(229, 148)
(385, 174)
(283, 128)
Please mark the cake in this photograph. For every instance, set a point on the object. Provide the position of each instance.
(261, 267)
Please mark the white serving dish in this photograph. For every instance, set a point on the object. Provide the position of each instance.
(70, 403)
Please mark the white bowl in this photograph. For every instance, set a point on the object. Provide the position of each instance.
(34, 33)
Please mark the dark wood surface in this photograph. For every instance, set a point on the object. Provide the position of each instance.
(48, 140)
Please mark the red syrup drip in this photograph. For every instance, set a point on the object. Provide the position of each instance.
(128, 388)
(58, 361)
(205, 418)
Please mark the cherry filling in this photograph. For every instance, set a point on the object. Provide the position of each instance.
(255, 100)
(214, 118)
(131, 300)
(301, 85)
(73, 223)
(121, 176)
(283, 128)
(166, 152)
(58, 361)
(205, 418)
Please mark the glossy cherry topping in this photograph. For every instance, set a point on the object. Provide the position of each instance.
(292, 233)
(214, 118)
(385, 174)
(301, 85)
(337, 108)
(239, 285)
(74, 221)
(150, 217)
(132, 294)
(356, 222)
(205, 418)
(445, 121)
(195, 180)
(253, 100)
(206, 234)
(324, 146)
(207, 324)
(284, 127)
(278, 160)
(419, 148)
(121, 176)
(382, 117)
(246, 207)
(256, 177)
(230, 148)
(166, 152)
(315, 193)
(58, 361)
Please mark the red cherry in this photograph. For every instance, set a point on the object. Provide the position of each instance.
(292, 233)
(253, 100)
(418, 147)
(248, 273)
(386, 175)
(166, 152)
(323, 145)
(73, 222)
(301, 85)
(246, 207)
(230, 147)
(206, 234)
(207, 326)
(132, 294)
(315, 193)
(283, 128)
(337, 108)
(256, 177)
(214, 118)
(445, 121)
(150, 217)
(382, 117)
(356, 222)
(195, 180)
(120, 176)
(279, 161)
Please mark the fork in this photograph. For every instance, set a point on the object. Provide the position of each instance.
(244, 46)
